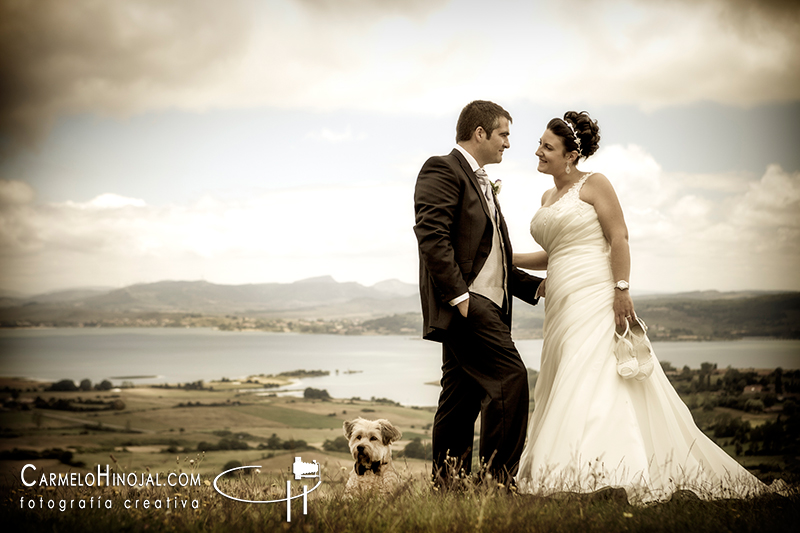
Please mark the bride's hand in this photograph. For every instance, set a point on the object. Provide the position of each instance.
(623, 307)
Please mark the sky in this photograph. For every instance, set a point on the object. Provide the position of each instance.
(270, 141)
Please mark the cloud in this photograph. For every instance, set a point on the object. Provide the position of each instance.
(123, 58)
(369, 9)
(660, 53)
(109, 201)
(335, 137)
(688, 231)
(708, 231)
(770, 210)
(757, 18)
(725, 231)
(355, 233)
(15, 193)
(18, 233)
(110, 57)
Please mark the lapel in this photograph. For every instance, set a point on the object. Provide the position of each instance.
(474, 180)
(503, 227)
(479, 190)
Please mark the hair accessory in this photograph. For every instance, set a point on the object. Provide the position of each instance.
(574, 134)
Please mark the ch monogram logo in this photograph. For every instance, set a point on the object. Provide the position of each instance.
(300, 470)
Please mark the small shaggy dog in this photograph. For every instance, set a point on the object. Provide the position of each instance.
(371, 445)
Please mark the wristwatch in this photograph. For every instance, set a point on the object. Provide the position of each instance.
(622, 285)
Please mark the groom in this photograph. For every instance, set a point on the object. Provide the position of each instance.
(466, 284)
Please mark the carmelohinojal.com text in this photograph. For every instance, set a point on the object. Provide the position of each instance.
(106, 478)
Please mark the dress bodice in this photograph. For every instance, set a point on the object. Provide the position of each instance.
(569, 222)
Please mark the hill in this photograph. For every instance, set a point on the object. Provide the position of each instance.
(321, 297)
(685, 318)
(323, 305)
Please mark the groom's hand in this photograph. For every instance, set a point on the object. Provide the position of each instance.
(463, 307)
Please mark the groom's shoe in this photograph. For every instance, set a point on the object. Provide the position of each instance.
(627, 365)
(642, 349)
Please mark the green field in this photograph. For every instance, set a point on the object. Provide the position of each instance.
(156, 426)
(177, 430)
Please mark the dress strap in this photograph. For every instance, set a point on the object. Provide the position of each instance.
(581, 181)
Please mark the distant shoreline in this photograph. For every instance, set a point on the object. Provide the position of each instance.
(523, 336)
(224, 384)
(324, 306)
(396, 367)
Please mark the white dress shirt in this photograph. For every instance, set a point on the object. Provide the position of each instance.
(491, 280)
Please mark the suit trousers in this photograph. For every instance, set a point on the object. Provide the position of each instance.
(482, 373)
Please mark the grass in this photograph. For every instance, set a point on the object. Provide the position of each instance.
(415, 507)
(288, 417)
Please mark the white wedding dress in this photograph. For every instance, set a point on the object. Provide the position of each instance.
(590, 428)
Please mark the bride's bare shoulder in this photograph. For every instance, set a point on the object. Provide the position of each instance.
(596, 177)
(597, 186)
(547, 194)
(596, 181)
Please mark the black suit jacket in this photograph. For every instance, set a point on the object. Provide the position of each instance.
(454, 232)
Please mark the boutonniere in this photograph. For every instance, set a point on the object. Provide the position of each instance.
(496, 186)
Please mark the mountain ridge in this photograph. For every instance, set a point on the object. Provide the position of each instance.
(199, 303)
(318, 294)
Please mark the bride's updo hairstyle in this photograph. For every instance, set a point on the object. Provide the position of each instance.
(586, 129)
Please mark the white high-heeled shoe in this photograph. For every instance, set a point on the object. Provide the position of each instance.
(627, 365)
(642, 349)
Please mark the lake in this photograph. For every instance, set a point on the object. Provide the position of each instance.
(393, 367)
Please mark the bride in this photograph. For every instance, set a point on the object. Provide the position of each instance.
(591, 428)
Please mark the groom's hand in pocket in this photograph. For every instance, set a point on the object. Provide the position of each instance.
(463, 307)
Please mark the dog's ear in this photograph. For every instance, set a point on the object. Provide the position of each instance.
(347, 427)
(389, 433)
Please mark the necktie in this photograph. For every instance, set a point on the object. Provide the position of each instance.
(483, 179)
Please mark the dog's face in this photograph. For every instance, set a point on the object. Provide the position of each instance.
(370, 442)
